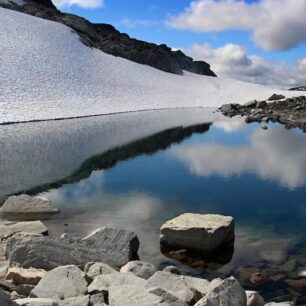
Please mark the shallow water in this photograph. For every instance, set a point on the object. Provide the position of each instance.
(138, 172)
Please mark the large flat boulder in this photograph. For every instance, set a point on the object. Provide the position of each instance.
(8, 228)
(61, 283)
(226, 292)
(204, 233)
(113, 246)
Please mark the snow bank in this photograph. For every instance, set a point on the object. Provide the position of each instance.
(47, 73)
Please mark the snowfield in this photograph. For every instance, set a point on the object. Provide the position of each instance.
(47, 73)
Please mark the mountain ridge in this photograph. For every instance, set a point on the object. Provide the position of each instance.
(109, 40)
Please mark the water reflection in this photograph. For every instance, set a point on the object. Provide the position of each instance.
(276, 154)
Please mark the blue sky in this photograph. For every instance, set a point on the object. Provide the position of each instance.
(249, 31)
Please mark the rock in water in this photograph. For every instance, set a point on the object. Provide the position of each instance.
(204, 233)
(113, 246)
(61, 283)
(224, 293)
(139, 268)
(24, 204)
(8, 228)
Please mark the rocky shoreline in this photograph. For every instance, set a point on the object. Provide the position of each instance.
(290, 112)
(103, 268)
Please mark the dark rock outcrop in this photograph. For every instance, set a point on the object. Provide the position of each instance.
(291, 112)
(301, 88)
(109, 40)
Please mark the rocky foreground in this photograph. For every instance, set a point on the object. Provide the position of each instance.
(291, 112)
(103, 267)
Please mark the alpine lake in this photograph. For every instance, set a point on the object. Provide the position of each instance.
(138, 170)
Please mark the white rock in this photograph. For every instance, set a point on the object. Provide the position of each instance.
(24, 204)
(139, 268)
(254, 298)
(170, 287)
(102, 283)
(280, 304)
(98, 268)
(198, 285)
(224, 293)
(131, 295)
(3, 268)
(25, 276)
(75, 301)
(8, 228)
(61, 283)
(36, 302)
(200, 232)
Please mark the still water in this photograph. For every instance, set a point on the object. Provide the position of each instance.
(138, 171)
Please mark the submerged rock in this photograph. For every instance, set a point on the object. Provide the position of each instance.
(61, 283)
(113, 246)
(204, 233)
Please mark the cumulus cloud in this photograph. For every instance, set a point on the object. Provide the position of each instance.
(275, 24)
(88, 4)
(233, 61)
(276, 154)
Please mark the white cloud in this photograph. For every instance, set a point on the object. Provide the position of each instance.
(232, 61)
(276, 24)
(276, 154)
(88, 4)
(132, 23)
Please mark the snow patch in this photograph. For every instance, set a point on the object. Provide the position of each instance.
(47, 73)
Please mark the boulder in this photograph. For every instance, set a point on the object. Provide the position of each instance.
(199, 286)
(5, 299)
(170, 287)
(172, 269)
(8, 228)
(280, 304)
(4, 265)
(114, 246)
(36, 302)
(204, 233)
(75, 301)
(24, 204)
(102, 283)
(276, 97)
(61, 283)
(139, 268)
(24, 289)
(254, 298)
(250, 104)
(25, 276)
(224, 293)
(131, 295)
(98, 268)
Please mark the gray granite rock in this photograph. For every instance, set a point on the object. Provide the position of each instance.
(113, 246)
(170, 287)
(199, 286)
(172, 269)
(203, 233)
(8, 228)
(24, 204)
(98, 268)
(102, 283)
(24, 289)
(75, 301)
(36, 302)
(139, 268)
(97, 299)
(280, 304)
(131, 295)
(224, 293)
(61, 283)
